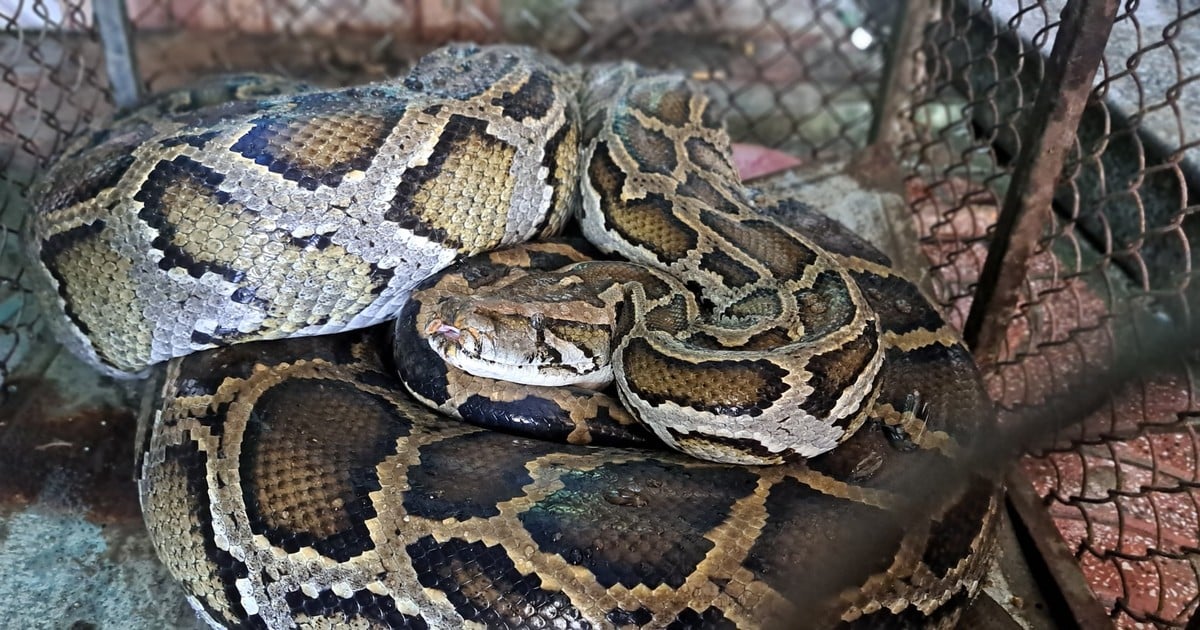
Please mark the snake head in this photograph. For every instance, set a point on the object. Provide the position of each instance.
(495, 339)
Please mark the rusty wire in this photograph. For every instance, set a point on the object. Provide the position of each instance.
(1121, 485)
(54, 86)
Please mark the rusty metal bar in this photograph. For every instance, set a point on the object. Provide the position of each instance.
(1048, 135)
(112, 23)
(1062, 565)
(896, 88)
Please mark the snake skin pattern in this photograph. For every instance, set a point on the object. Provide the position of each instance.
(296, 216)
(293, 482)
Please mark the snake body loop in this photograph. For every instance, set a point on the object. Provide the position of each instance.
(288, 480)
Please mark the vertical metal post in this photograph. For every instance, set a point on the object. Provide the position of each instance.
(112, 23)
(1049, 134)
(895, 88)
(1034, 518)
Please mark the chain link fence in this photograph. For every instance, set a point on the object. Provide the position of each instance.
(952, 85)
(1121, 485)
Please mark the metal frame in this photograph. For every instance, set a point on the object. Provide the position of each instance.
(1046, 140)
(1049, 133)
(120, 58)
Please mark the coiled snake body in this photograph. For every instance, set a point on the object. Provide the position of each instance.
(294, 482)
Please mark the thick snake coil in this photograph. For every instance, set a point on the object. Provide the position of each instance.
(294, 482)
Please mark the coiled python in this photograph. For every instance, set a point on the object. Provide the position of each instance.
(294, 482)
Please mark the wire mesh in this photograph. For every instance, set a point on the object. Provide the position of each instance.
(1121, 484)
(54, 85)
(801, 77)
(793, 75)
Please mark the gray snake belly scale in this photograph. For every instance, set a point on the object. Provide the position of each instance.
(288, 480)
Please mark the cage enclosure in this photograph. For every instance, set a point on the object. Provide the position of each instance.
(1029, 161)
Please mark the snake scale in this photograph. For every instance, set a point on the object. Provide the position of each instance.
(253, 231)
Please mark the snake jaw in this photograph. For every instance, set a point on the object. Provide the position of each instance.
(453, 340)
(439, 328)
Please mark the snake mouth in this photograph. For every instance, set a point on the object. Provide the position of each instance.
(474, 351)
(439, 328)
(480, 352)
(453, 343)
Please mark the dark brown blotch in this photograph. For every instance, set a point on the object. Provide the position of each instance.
(671, 317)
(827, 233)
(805, 549)
(653, 151)
(732, 272)
(836, 370)
(702, 189)
(730, 388)
(708, 157)
(759, 304)
(202, 373)
(484, 585)
(826, 307)
(459, 135)
(316, 492)
(669, 103)
(945, 382)
(768, 339)
(54, 252)
(649, 221)
(604, 519)
(763, 240)
(951, 536)
(435, 484)
(533, 99)
(318, 142)
(899, 303)
(164, 191)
